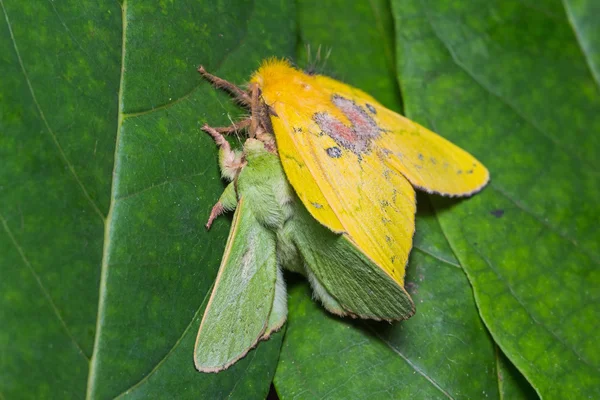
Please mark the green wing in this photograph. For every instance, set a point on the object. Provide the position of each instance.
(279, 310)
(237, 314)
(347, 281)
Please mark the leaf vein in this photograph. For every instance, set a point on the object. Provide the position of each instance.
(195, 88)
(62, 22)
(529, 314)
(157, 185)
(349, 378)
(45, 121)
(42, 287)
(426, 252)
(499, 377)
(544, 223)
(410, 363)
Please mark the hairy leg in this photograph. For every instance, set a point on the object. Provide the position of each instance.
(239, 94)
(230, 161)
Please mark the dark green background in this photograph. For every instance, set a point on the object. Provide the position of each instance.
(106, 182)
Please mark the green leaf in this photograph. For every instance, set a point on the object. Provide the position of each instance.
(512, 83)
(511, 384)
(102, 289)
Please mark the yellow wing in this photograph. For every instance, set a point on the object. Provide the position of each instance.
(427, 160)
(349, 158)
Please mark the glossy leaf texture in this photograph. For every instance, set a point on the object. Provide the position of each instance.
(517, 84)
(444, 351)
(106, 183)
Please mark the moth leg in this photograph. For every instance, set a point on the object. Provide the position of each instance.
(260, 127)
(230, 161)
(235, 127)
(239, 94)
(255, 128)
(227, 202)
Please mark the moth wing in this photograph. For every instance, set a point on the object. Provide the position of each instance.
(237, 313)
(427, 160)
(278, 313)
(356, 194)
(335, 265)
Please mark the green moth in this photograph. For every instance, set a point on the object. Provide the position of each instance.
(272, 230)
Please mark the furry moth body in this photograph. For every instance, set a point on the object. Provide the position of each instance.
(324, 186)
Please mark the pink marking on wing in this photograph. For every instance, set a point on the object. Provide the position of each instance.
(357, 137)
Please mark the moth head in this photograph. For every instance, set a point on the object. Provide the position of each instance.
(276, 73)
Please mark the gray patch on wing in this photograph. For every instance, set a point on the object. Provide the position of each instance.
(358, 136)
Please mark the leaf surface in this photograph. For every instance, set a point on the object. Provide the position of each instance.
(106, 183)
(516, 84)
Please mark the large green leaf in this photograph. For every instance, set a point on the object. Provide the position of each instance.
(59, 80)
(514, 83)
(444, 350)
(95, 96)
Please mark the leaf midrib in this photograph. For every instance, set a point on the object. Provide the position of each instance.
(109, 218)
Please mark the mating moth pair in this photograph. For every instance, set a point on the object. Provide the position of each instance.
(324, 186)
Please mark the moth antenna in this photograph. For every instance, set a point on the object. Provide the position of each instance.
(327, 57)
(240, 95)
(316, 65)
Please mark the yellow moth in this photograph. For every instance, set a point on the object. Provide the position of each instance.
(353, 164)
